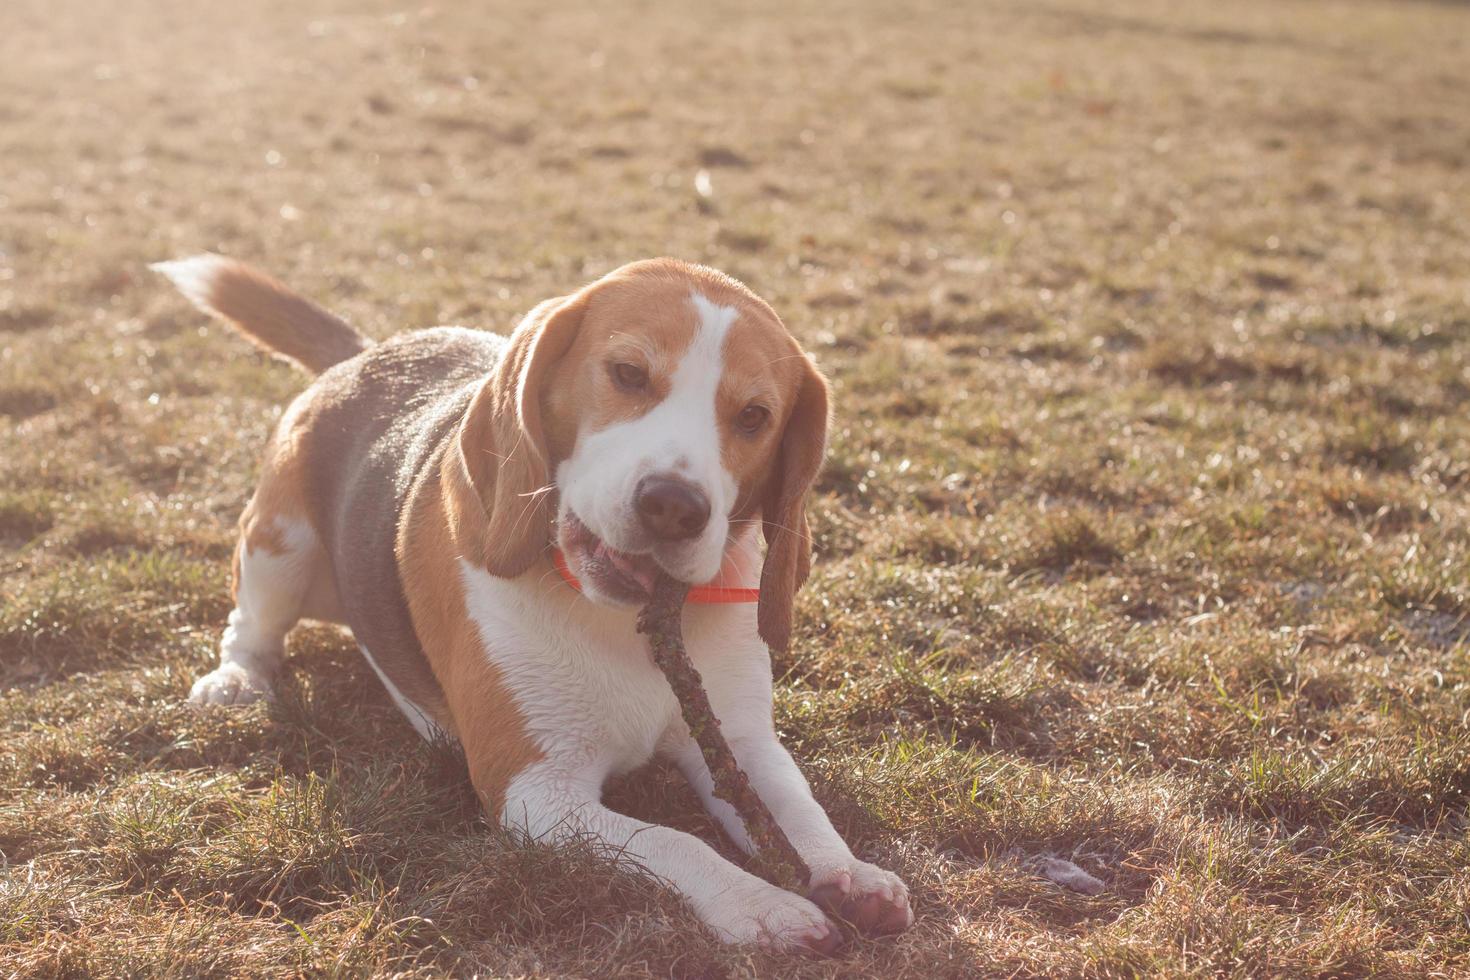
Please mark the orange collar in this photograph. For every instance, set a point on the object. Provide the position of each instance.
(703, 595)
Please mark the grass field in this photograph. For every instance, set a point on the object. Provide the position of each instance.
(1144, 540)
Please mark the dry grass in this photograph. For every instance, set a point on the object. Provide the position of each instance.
(1145, 539)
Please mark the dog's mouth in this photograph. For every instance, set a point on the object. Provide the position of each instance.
(617, 575)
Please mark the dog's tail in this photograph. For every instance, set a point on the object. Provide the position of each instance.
(264, 310)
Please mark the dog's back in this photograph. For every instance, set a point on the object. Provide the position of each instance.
(379, 425)
(343, 460)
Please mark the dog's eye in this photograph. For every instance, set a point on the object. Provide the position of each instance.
(630, 376)
(752, 419)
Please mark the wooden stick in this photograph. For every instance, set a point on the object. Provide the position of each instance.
(775, 858)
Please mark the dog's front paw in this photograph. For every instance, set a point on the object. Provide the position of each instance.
(874, 900)
(229, 684)
(774, 918)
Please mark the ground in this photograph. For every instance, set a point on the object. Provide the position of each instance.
(1144, 542)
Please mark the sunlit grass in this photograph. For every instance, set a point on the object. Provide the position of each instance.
(1144, 539)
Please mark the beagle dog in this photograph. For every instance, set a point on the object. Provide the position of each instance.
(442, 493)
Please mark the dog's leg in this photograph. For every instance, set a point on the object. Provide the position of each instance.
(276, 562)
(550, 803)
(739, 689)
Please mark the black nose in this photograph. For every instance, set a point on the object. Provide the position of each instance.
(669, 508)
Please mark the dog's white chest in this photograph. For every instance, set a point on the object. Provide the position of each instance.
(581, 675)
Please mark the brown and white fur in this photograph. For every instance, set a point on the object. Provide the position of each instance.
(414, 492)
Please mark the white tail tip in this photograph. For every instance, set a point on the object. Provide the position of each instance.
(195, 277)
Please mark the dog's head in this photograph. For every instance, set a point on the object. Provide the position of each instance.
(641, 422)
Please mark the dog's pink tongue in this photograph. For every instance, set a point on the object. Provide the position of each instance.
(644, 578)
(631, 568)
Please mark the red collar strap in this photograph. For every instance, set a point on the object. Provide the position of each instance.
(702, 595)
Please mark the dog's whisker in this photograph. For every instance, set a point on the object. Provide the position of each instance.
(790, 530)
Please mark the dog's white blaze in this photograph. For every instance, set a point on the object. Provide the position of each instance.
(680, 434)
(687, 424)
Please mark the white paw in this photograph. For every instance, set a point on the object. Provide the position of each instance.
(874, 900)
(229, 684)
(775, 919)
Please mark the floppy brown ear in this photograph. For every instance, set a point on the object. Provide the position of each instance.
(503, 463)
(783, 511)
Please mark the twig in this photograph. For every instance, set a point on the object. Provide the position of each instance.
(775, 858)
